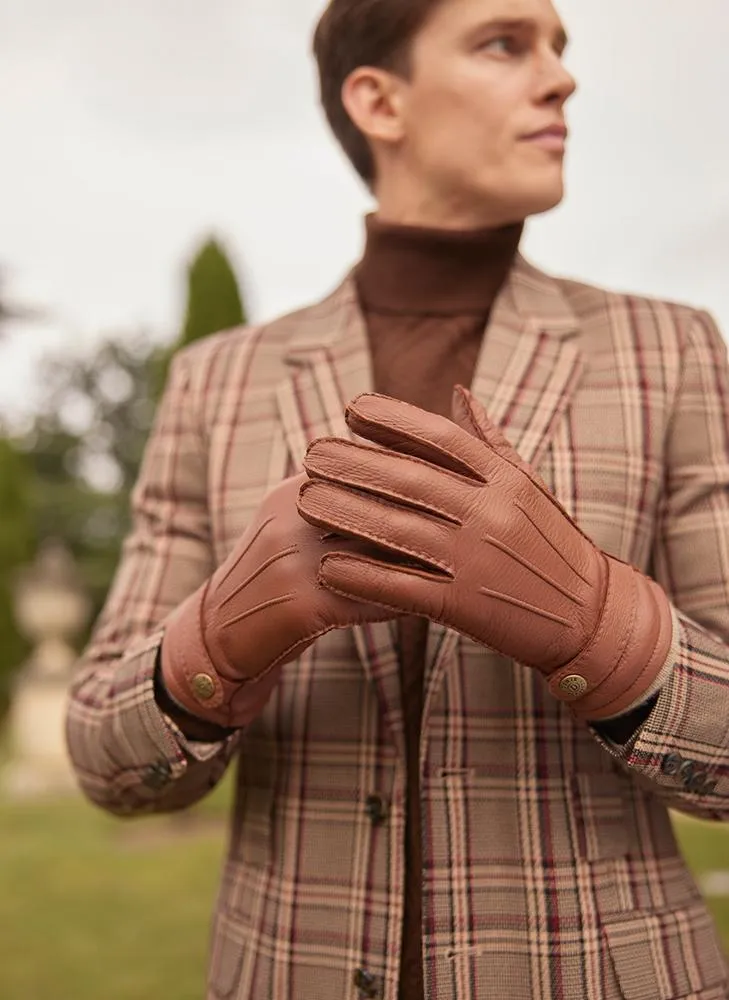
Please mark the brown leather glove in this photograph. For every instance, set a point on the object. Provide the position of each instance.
(471, 537)
(224, 647)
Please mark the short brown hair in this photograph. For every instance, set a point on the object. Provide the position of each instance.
(354, 33)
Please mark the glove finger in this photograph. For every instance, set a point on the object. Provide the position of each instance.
(404, 589)
(405, 428)
(471, 416)
(405, 533)
(390, 475)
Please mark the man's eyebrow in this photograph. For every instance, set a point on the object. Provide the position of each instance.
(561, 39)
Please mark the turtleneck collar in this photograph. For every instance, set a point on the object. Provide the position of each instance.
(418, 270)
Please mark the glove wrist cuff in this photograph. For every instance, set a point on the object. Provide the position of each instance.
(192, 679)
(627, 653)
(188, 672)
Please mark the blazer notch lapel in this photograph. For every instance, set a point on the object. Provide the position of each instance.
(529, 368)
(330, 364)
(531, 363)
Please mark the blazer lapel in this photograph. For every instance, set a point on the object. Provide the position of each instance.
(528, 370)
(329, 361)
(530, 363)
(330, 364)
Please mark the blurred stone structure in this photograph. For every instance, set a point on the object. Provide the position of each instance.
(51, 608)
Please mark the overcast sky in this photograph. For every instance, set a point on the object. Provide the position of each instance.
(128, 131)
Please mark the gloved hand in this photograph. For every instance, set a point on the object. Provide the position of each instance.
(470, 536)
(224, 647)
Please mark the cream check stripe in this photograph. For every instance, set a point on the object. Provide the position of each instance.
(550, 867)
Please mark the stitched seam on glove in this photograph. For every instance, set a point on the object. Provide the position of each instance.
(649, 665)
(390, 493)
(440, 621)
(573, 664)
(622, 649)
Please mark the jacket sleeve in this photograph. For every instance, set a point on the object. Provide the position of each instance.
(129, 757)
(682, 749)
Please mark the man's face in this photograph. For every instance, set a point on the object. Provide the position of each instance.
(486, 76)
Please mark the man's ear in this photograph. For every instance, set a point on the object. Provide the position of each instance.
(372, 99)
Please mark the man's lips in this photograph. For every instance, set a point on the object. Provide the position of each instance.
(552, 131)
(552, 138)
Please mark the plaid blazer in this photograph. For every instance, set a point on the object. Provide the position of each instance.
(550, 869)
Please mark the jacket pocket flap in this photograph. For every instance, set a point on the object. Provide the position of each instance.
(665, 956)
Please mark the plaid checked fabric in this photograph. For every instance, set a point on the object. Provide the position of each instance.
(551, 871)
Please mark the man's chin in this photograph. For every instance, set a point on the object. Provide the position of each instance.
(539, 202)
(510, 206)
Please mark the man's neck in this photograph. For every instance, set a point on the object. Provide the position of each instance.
(434, 271)
(408, 206)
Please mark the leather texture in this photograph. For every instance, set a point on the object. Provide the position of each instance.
(470, 536)
(224, 647)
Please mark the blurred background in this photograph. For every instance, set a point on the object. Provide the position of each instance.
(165, 172)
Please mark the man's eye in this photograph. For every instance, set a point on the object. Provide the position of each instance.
(504, 44)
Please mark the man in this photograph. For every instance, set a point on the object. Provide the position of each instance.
(468, 647)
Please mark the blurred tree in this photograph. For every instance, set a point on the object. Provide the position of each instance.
(17, 537)
(17, 545)
(213, 303)
(17, 542)
(6, 312)
(71, 473)
(213, 298)
(85, 446)
(17, 312)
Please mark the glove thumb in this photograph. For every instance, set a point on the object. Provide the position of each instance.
(470, 415)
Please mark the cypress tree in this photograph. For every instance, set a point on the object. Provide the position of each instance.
(213, 299)
(214, 303)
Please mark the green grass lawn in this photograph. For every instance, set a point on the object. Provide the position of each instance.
(706, 848)
(94, 908)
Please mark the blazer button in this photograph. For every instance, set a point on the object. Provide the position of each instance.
(697, 782)
(671, 764)
(157, 775)
(687, 771)
(376, 808)
(367, 984)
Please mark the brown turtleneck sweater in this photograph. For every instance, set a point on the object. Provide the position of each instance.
(426, 296)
